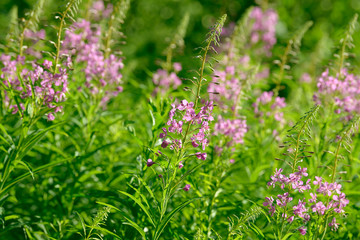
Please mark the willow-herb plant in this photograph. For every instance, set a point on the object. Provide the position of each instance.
(335, 89)
(166, 78)
(326, 200)
(291, 50)
(31, 92)
(196, 123)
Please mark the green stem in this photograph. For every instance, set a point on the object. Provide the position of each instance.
(211, 207)
(109, 35)
(58, 44)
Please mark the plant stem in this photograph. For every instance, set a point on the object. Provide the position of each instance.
(58, 44)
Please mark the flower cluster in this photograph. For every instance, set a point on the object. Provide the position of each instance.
(165, 81)
(276, 105)
(344, 90)
(184, 113)
(226, 87)
(98, 10)
(34, 37)
(327, 200)
(263, 28)
(234, 130)
(38, 82)
(102, 73)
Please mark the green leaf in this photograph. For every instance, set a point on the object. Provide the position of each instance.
(97, 149)
(287, 236)
(152, 117)
(22, 177)
(143, 198)
(89, 174)
(140, 205)
(33, 139)
(186, 174)
(130, 222)
(134, 225)
(2, 128)
(104, 230)
(160, 228)
(256, 229)
(28, 167)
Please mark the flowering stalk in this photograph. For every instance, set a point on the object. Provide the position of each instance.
(117, 17)
(177, 41)
(214, 36)
(30, 22)
(347, 42)
(71, 6)
(344, 139)
(181, 145)
(301, 128)
(299, 216)
(291, 48)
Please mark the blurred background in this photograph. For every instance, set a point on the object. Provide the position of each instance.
(151, 23)
(148, 29)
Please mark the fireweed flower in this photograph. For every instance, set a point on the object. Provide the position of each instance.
(165, 81)
(182, 115)
(48, 89)
(305, 78)
(343, 90)
(201, 156)
(234, 130)
(150, 162)
(225, 88)
(269, 106)
(263, 28)
(102, 75)
(302, 230)
(187, 187)
(334, 226)
(33, 38)
(306, 207)
(98, 10)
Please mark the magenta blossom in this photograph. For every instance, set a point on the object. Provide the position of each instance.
(187, 187)
(150, 163)
(200, 155)
(302, 230)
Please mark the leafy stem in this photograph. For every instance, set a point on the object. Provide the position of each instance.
(71, 6)
(347, 42)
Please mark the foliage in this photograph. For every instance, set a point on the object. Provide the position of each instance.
(159, 119)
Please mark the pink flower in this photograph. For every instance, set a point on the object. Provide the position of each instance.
(313, 198)
(233, 129)
(319, 207)
(302, 171)
(268, 201)
(177, 67)
(150, 162)
(181, 165)
(50, 117)
(317, 181)
(187, 187)
(341, 199)
(334, 226)
(164, 144)
(47, 64)
(163, 134)
(302, 230)
(200, 155)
